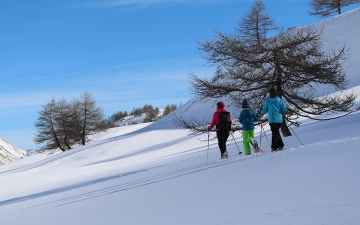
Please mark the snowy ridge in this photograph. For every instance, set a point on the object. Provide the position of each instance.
(9, 153)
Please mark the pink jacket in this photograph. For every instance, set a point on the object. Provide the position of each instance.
(216, 116)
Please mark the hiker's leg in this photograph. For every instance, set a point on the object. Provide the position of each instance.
(246, 140)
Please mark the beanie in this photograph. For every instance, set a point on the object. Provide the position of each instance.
(220, 104)
(245, 104)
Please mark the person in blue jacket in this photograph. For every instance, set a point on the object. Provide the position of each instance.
(274, 107)
(247, 118)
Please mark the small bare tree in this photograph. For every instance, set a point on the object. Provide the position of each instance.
(47, 128)
(150, 113)
(325, 8)
(63, 120)
(168, 109)
(89, 117)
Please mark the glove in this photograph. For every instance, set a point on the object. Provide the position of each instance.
(208, 128)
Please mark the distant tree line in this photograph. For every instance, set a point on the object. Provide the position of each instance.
(168, 109)
(62, 124)
(149, 113)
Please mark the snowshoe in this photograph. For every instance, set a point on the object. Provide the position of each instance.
(224, 155)
(255, 146)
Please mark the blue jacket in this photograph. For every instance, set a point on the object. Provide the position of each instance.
(274, 107)
(247, 118)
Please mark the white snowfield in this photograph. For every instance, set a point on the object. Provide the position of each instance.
(157, 174)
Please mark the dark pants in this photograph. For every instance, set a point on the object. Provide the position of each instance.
(276, 141)
(222, 136)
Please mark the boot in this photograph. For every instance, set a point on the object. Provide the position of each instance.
(224, 155)
(255, 145)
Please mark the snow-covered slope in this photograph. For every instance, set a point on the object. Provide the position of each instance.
(156, 174)
(344, 30)
(9, 153)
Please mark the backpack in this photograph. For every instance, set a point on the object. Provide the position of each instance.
(224, 121)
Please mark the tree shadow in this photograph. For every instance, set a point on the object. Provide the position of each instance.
(121, 187)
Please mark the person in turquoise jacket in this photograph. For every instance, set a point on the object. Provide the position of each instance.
(274, 107)
(247, 118)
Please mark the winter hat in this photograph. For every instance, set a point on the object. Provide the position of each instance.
(220, 104)
(245, 104)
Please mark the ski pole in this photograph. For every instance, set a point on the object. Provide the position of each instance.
(207, 154)
(294, 133)
(262, 129)
(235, 143)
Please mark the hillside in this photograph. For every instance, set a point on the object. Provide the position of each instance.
(156, 174)
(341, 31)
(9, 153)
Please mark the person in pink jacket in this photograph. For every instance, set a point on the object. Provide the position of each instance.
(222, 132)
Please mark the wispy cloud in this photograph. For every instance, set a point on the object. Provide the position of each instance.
(119, 3)
(51, 77)
(27, 100)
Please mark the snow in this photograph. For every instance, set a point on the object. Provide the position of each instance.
(9, 153)
(343, 30)
(155, 173)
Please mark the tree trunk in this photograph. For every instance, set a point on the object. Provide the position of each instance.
(338, 2)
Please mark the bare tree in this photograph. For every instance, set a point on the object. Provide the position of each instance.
(151, 113)
(325, 8)
(76, 119)
(293, 62)
(169, 108)
(136, 112)
(47, 128)
(113, 121)
(62, 124)
(89, 117)
(63, 121)
(255, 25)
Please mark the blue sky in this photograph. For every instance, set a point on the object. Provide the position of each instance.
(127, 53)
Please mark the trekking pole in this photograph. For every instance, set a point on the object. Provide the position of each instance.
(207, 154)
(294, 133)
(236, 143)
(262, 129)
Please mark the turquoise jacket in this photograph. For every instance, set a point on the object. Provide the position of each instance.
(274, 107)
(247, 118)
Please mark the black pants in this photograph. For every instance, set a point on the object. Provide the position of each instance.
(276, 140)
(222, 136)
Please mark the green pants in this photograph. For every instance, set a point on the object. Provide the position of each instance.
(248, 135)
